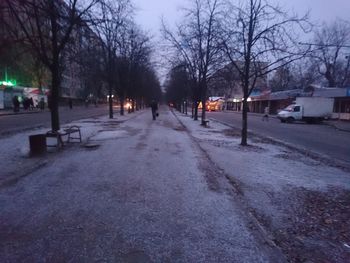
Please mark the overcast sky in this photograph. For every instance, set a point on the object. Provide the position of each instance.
(149, 11)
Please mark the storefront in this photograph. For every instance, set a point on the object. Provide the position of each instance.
(8, 92)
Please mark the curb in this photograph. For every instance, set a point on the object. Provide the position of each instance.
(336, 127)
(314, 155)
(20, 113)
(277, 252)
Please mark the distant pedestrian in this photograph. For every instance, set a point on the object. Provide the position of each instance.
(15, 102)
(154, 107)
(25, 103)
(31, 103)
(70, 103)
(266, 114)
(42, 104)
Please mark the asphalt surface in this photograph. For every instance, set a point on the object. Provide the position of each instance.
(322, 139)
(16, 123)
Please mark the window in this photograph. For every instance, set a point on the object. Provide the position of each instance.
(296, 108)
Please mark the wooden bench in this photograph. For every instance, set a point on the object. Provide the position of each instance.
(72, 130)
(58, 135)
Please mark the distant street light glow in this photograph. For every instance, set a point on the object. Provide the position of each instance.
(8, 83)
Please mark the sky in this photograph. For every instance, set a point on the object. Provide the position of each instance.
(149, 12)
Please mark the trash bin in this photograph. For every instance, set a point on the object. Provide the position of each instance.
(37, 144)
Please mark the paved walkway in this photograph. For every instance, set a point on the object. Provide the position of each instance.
(146, 194)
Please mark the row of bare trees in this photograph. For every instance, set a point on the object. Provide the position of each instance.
(254, 37)
(328, 63)
(99, 35)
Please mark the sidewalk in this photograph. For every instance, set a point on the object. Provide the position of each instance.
(145, 193)
(339, 125)
(170, 190)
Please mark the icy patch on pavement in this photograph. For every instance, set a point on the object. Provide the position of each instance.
(108, 135)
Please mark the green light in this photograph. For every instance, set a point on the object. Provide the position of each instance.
(8, 83)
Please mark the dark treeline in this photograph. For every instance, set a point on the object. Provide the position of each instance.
(97, 41)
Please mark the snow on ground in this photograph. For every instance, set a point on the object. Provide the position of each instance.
(15, 159)
(287, 190)
(151, 170)
(265, 162)
(136, 198)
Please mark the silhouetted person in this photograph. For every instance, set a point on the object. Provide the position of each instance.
(42, 104)
(154, 107)
(15, 102)
(70, 103)
(25, 103)
(266, 114)
(31, 103)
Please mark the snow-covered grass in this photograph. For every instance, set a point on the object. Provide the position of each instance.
(264, 162)
(284, 188)
(16, 161)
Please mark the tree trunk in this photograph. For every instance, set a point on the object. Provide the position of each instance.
(192, 110)
(195, 117)
(110, 102)
(203, 110)
(54, 97)
(244, 123)
(137, 104)
(122, 100)
(330, 76)
(133, 106)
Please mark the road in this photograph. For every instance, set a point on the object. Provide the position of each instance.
(14, 123)
(322, 139)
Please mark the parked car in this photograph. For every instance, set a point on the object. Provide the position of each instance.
(308, 109)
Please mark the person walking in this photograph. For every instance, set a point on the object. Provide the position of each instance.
(31, 103)
(15, 102)
(70, 103)
(42, 104)
(154, 107)
(266, 114)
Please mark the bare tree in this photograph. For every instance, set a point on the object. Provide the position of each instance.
(195, 41)
(47, 26)
(133, 54)
(225, 82)
(259, 40)
(331, 52)
(114, 18)
(282, 79)
(177, 83)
